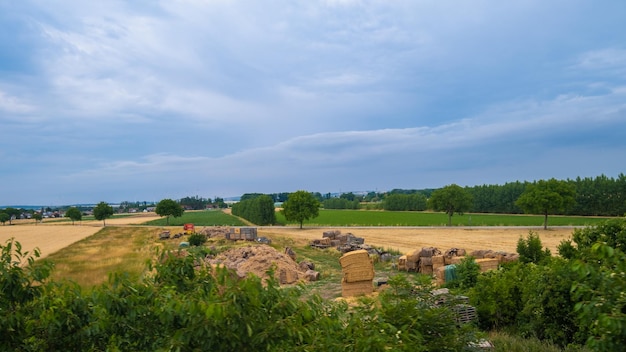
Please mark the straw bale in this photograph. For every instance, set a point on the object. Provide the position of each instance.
(426, 269)
(456, 260)
(437, 259)
(487, 264)
(359, 275)
(411, 265)
(440, 275)
(437, 266)
(354, 257)
(414, 256)
(510, 257)
(429, 252)
(426, 261)
(288, 276)
(491, 254)
(335, 243)
(402, 260)
(349, 289)
(482, 253)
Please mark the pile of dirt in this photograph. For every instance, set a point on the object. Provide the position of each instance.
(258, 259)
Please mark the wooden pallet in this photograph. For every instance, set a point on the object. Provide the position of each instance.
(465, 313)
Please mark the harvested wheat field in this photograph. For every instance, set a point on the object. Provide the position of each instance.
(48, 238)
(408, 239)
(52, 236)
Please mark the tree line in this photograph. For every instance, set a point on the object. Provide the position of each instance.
(258, 210)
(597, 196)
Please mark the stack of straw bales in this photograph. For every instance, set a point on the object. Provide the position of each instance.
(430, 258)
(358, 272)
(451, 253)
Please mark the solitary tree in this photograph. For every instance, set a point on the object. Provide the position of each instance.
(167, 208)
(102, 211)
(74, 214)
(4, 217)
(547, 197)
(451, 199)
(38, 217)
(300, 206)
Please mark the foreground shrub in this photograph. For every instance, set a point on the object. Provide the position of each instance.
(184, 305)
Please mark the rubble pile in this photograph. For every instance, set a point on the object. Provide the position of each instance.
(259, 259)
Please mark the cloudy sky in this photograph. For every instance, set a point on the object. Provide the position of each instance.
(145, 100)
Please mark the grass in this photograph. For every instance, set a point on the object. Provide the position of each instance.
(507, 343)
(200, 218)
(112, 249)
(406, 218)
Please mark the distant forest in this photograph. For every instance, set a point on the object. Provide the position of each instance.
(598, 196)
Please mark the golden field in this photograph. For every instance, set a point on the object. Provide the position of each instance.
(408, 239)
(52, 236)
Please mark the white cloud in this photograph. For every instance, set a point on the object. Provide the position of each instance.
(12, 106)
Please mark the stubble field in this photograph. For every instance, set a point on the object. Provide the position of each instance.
(53, 236)
(408, 239)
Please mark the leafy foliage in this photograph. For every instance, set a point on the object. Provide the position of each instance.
(4, 217)
(258, 209)
(103, 211)
(451, 199)
(187, 306)
(399, 202)
(167, 208)
(301, 206)
(197, 239)
(467, 271)
(340, 203)
(530, 249)
(74, 214)
(547, 197)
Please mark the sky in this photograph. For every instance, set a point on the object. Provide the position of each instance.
(146, 99)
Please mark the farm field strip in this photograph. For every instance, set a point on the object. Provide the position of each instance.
(408, 239)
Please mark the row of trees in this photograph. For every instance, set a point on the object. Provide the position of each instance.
(599, 196)
(541, 197)
(258, 210)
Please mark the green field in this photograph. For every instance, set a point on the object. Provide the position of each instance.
(384, 218)
(201, 218)
(406, 218)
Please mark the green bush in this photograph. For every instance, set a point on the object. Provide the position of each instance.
(197, 239)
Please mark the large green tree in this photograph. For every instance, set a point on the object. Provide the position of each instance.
(451, 199)
(547, 197)
(300, 206)
(74, 214)
(167, 208)
(103, 211)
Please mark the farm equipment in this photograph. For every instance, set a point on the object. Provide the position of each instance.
(189, 229)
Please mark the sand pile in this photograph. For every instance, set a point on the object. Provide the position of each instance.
(258, 259)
